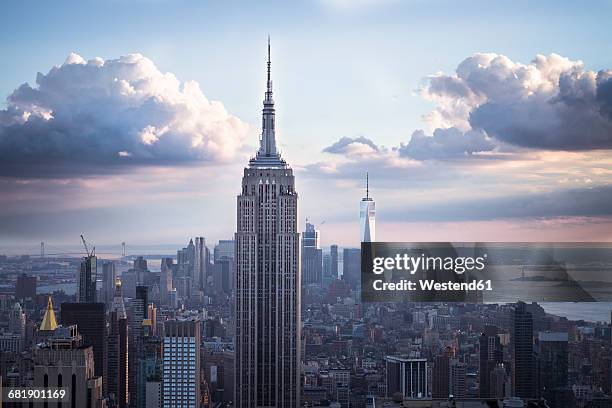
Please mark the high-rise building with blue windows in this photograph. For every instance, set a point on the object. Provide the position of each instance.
(181, 363)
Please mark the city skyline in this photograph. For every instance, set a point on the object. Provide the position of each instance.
(358, 107)
(283, 257)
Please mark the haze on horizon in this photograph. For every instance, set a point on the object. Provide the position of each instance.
(475, 122)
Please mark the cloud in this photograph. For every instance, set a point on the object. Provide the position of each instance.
(551, 103)
(493, 107)
(356, 146)
(446, 144)
(98, 116)
(576, 202)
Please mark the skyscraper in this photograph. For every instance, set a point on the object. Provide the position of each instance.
(165, 280)
(407, 376)
(330, 266)
(457, 378)
(149, 369)
(367, 215)
(491, 354)
(139, 312)
(109, 276)
(90, 319)
(25, 287)
(523, 358)
(225, 248)
(267, 360)
(553, 361)
(62, 361)
(351, 266)
(200, 271)
(17, 320)
(223, 273)
(312, 256)
(118, 350)
(141, 271)
(185, 259)
(334, 261)
(441, 374)
(181, 364)
(87, 280)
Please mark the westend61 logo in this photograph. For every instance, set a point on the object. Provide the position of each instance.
(412, 264)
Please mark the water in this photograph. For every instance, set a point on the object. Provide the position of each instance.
(68, 288)
(589, 311)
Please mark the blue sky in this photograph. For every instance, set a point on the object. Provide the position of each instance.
(340, 69)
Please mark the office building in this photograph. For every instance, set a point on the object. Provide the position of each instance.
(407, 376)
(491, 354)
(223, 275)
(17, 320)
(457, 378)
(62, 361)
(333, 251)
(25, 287)
(139, 312)
(200, 266)
(312, 256)
(185, 260)
(268, 283)
(118, 359)
(165, 280)
(340, 386)
(523, 364)
(498, 381)
(351, 266)
(90, 319)
(228, 376)
(367, 216)
(149, 367)
(553, 363)
(11, 342)
(327, 279)
(225, 248)
(153, 390)
(181, 364)
(441, 376)
(109, 277)
(86, 290)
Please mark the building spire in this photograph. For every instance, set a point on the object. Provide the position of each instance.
(267, 144)
(269, 84)
(367, 185)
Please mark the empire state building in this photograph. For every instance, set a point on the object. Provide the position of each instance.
(267, 356)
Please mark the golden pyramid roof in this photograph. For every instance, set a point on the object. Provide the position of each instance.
(48, 322)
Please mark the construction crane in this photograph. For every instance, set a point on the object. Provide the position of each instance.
(93, 251)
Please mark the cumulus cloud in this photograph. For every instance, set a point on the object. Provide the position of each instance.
(98, 116)
(446, 144)
(353, 146)
(550, 103)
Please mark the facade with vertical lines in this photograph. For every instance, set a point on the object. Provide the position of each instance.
(181, 364)
(267, 280)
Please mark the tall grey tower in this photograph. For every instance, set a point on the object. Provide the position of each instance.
(367, 216)
(267, 359)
